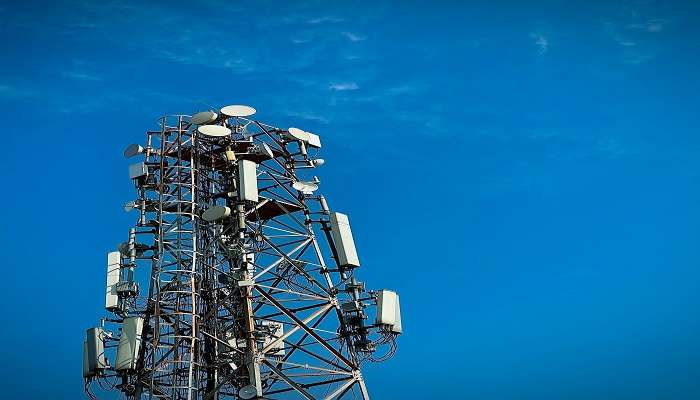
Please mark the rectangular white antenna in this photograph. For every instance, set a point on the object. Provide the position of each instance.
(129, 343)
(342, 238)
(314, 140)
(396, 328)
(137, 170)
(111, 297)
(96, 360)
(388, 310)
(247, 181)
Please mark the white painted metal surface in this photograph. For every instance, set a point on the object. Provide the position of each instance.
(111, 298)
(247, 181)
(230, 342)
(298, 134)
(214, 130)
(204, 117)
(137, 170)
(238, 111)
(314, 140)
(388, 310)
(267, 150)
(216, 213)
(96, 359)
(397, 328)
(129, 343)
(344, 243)
(305, 187)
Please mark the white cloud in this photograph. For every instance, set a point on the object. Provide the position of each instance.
(353, 37)
(80, 76)
(10, 91)
(540, 41)
(321, 20)
(636, 57)
(651, 26)
(309, 116)
(339, 87)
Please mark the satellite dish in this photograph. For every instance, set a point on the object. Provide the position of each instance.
(214, 130)
(247, 392)
(129, 206)
(204, 117)
(216, 213)
(306, 187)
(318, 162)
(133, 150)
(298, 134)
(238, 111)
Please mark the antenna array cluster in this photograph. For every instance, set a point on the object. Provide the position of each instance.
(237, 279)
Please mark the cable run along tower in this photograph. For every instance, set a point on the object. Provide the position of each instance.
(237, 280)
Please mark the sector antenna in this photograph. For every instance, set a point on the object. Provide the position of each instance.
(237, 279)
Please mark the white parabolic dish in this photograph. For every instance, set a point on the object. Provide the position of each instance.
(298, 134)
(214, 130)
(204, 117)
(238, 111)
(306, 187)
(132, 150)
(215, 213)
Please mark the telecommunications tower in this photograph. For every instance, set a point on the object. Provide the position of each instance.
(237, 280)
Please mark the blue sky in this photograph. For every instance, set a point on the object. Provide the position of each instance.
(524, 174)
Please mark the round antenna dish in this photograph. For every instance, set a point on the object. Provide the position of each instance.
(318, 162)
(247, 392)
(214, 130)
(238, 111)
(298, 134)
(129, 206)
(133, 150)
(216, 213)
(306, 187)
(204, 117)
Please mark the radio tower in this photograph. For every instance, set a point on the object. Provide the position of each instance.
(237, 279)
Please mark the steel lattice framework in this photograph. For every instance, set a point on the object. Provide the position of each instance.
(248, 296)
